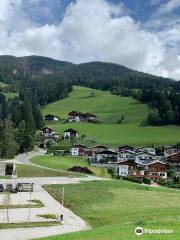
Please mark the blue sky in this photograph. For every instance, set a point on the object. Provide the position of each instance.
(140, 34)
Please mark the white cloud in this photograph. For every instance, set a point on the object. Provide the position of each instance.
(91, 30)
(169, 7)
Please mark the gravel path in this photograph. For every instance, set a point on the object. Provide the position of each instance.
(72, 223)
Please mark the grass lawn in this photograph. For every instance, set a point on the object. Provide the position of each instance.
(32, 171)
(115, 208)
(109, 109)
(64, 163)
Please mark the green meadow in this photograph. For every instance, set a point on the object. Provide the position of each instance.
(115, 208)
(64, 163)
(109, 110)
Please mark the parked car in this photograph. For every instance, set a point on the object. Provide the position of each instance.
(9, 188)
(25, 187)
(1, 188)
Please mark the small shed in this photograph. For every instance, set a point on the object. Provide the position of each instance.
(7, 168)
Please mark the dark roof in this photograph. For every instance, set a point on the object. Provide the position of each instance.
(126, 146)
(47, 128)
(130, 162)
(100, 146)
(76, 113)
(89, 115)
(50, 115)
(80, 169)
(79, 145)
(107, 151)
(70, 130)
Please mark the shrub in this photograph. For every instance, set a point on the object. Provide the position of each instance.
(112, 172)
(133, 179)
(147, 180)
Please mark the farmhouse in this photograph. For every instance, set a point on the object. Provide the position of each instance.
(126, 155)
(153, 170)
(50, 117)
(157, 168)
(78, 150)
(149, 150)
(70, 134)
(174, 160)
(7, 168)
(90, 117)
(106, 156)
(131, 168)
(125, 148)
(76, 116)
(171, 150)
(144, 156)
(49, 133)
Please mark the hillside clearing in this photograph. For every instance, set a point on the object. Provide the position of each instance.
(109, 109)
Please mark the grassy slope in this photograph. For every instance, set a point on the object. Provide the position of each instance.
(115, 208)
(8, 95)
(64, 163)
(109, 110)
(32, 171)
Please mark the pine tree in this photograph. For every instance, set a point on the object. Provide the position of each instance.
(9, 146)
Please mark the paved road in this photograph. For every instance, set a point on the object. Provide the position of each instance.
(72, 223)
(24, 158)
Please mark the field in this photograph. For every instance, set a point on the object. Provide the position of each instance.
(109, 109)
(115, 208)
(64, 163)
(32, 171)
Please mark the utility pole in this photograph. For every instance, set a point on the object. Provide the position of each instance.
(62, 202)
(6, 204)
(30, 204)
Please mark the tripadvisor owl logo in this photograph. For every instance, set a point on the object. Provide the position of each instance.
(139, 231)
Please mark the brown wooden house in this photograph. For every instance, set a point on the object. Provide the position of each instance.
(174, 160)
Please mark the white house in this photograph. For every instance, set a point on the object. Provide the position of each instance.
(149, 150)
(74, 151)
(170, 150)
(126, 155)
(106, 155)
(123, 170)
(144, 156)
(70, 134)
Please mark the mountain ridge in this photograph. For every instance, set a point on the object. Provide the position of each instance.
(34, 65)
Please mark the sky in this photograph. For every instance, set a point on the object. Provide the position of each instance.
(140, 34)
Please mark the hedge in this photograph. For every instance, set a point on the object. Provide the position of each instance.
(133, 179)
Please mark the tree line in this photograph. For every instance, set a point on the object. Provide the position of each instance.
(19, 122)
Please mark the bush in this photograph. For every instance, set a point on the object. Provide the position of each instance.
(147, 180)
(112, 172)
(133, 179)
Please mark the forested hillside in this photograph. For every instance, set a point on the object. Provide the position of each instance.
(41, 80)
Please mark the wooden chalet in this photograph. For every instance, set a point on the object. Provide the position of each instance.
(70, 134)
(125, 148)
(174, 160)
(50, 118)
